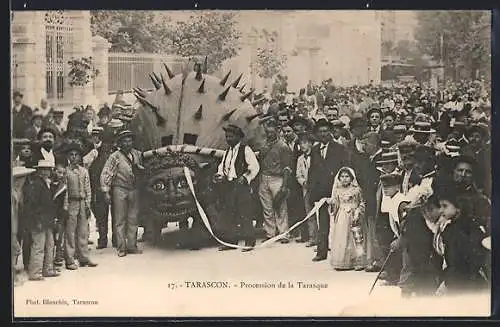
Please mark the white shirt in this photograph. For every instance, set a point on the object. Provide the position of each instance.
(359, 146)
(323, 148)
(45, 111)
(303, 165)
(17, 107)
(226, 167)
(48, 155)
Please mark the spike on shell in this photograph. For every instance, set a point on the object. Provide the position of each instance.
(165, 86)
(237, 81)
(156, 83)
(199, 113)
(201, 89)
(228, 115)
(205, 65)
(223, 95)
(252, 117)
(242, 88)
(246, 96)
(160, 121)
(199, 75)
(169, 72)
(224, 80)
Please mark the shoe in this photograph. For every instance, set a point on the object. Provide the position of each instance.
(372, 268)
(247, 249)
(51, 274)
(194, 248)
(88, 264)
(318, 258)
(59, 263)
(359, 268)
(284, 241)
(122, 253)
(226, 248)
(266, 239)
(301, 240)
(343, 269)
(90, 242)
(72, 266)
(36, 278)
(140, 239)
(134, 251)
(311, 244)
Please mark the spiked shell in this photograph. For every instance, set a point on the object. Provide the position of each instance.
(194, 103)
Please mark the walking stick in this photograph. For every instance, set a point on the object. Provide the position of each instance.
(380, 272)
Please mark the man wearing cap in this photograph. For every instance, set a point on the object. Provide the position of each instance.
(19, 174)
(21, 116)
(23, 153)
(40, 207)
(36, 126)
(337, 131)
(406, 151)
(275, 161)
(238, 168)
(422, 133)
(327, 158)
(58, 125)
(399, 132)
(119, 182)
(77, 202)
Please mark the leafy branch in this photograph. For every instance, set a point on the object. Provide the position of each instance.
(82, 71)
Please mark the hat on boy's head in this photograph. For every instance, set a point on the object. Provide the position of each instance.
(407, 146)
(303, 137)
(104, 111)
(123, 134)
(422, 127)
(73, 146)
(45, 164)
(390, 180)
(231, 128)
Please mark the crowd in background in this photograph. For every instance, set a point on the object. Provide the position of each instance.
(405, 171)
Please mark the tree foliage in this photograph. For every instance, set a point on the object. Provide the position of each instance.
(213, 34)
(460, 38)
(269, 62)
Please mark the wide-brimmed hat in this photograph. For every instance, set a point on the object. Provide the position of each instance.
(58, 113)
(125, 133)
(21, 171)
(464, 158)
(231, 128)
(45, 164)
(44, 130)
(21, 142)
(422, 127)
(399, 128)
(337, 123)
(480, 128)
(115, 123)
(322, 122)
(299, 119)
(388, 157)
(96, 130)
(373, 109)
(391, 114)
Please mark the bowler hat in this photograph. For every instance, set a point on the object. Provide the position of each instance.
(125, 133)
(46, 130)
(20, 142)
(115, 123)
(422, 127)
(322, 122)
(231, 128)
(388, 157)
(299, 119)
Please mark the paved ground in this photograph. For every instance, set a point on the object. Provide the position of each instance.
(158, 283)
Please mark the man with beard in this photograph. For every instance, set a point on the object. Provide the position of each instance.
(21, 116)
(327, 158)
(119, 182)
(44, 150)
(464, 171)
(406, 152)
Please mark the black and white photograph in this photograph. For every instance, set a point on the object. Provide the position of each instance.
(268, 163)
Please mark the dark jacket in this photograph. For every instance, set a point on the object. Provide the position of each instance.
(39, 206)
(21, 121)
(322, 171)
(421, 270)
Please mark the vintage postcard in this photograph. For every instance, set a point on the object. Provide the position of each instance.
(251, 163)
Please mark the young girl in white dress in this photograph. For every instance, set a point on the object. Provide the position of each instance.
(347, 209)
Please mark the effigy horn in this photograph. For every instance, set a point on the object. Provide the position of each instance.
(224, 80)
(169, 72)
(199, 113)
(246, 96)
(223, 95)
(199, 75)
(156, 83)
(201, 89)
(242, 88)
(205, 65)
(165, 86)
(252, 117)
(237, 81)
(228, 115)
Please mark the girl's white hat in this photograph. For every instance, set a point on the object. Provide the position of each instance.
(45, 164)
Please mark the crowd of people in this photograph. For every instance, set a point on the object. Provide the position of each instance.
(404, 172)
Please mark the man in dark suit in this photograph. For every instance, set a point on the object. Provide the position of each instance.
(327, 158)
(21, 116)
(44, 148)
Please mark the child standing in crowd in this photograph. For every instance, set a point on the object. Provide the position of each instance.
(59, 190)
(77, 203)
(346, 209)
(41, 209)
(458, 240)
(303, 164)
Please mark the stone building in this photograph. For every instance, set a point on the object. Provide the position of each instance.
(42, 44)
(342, 45)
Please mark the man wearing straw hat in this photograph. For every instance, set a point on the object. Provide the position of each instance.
(41, 209)
(119, 182)
(19, 174)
